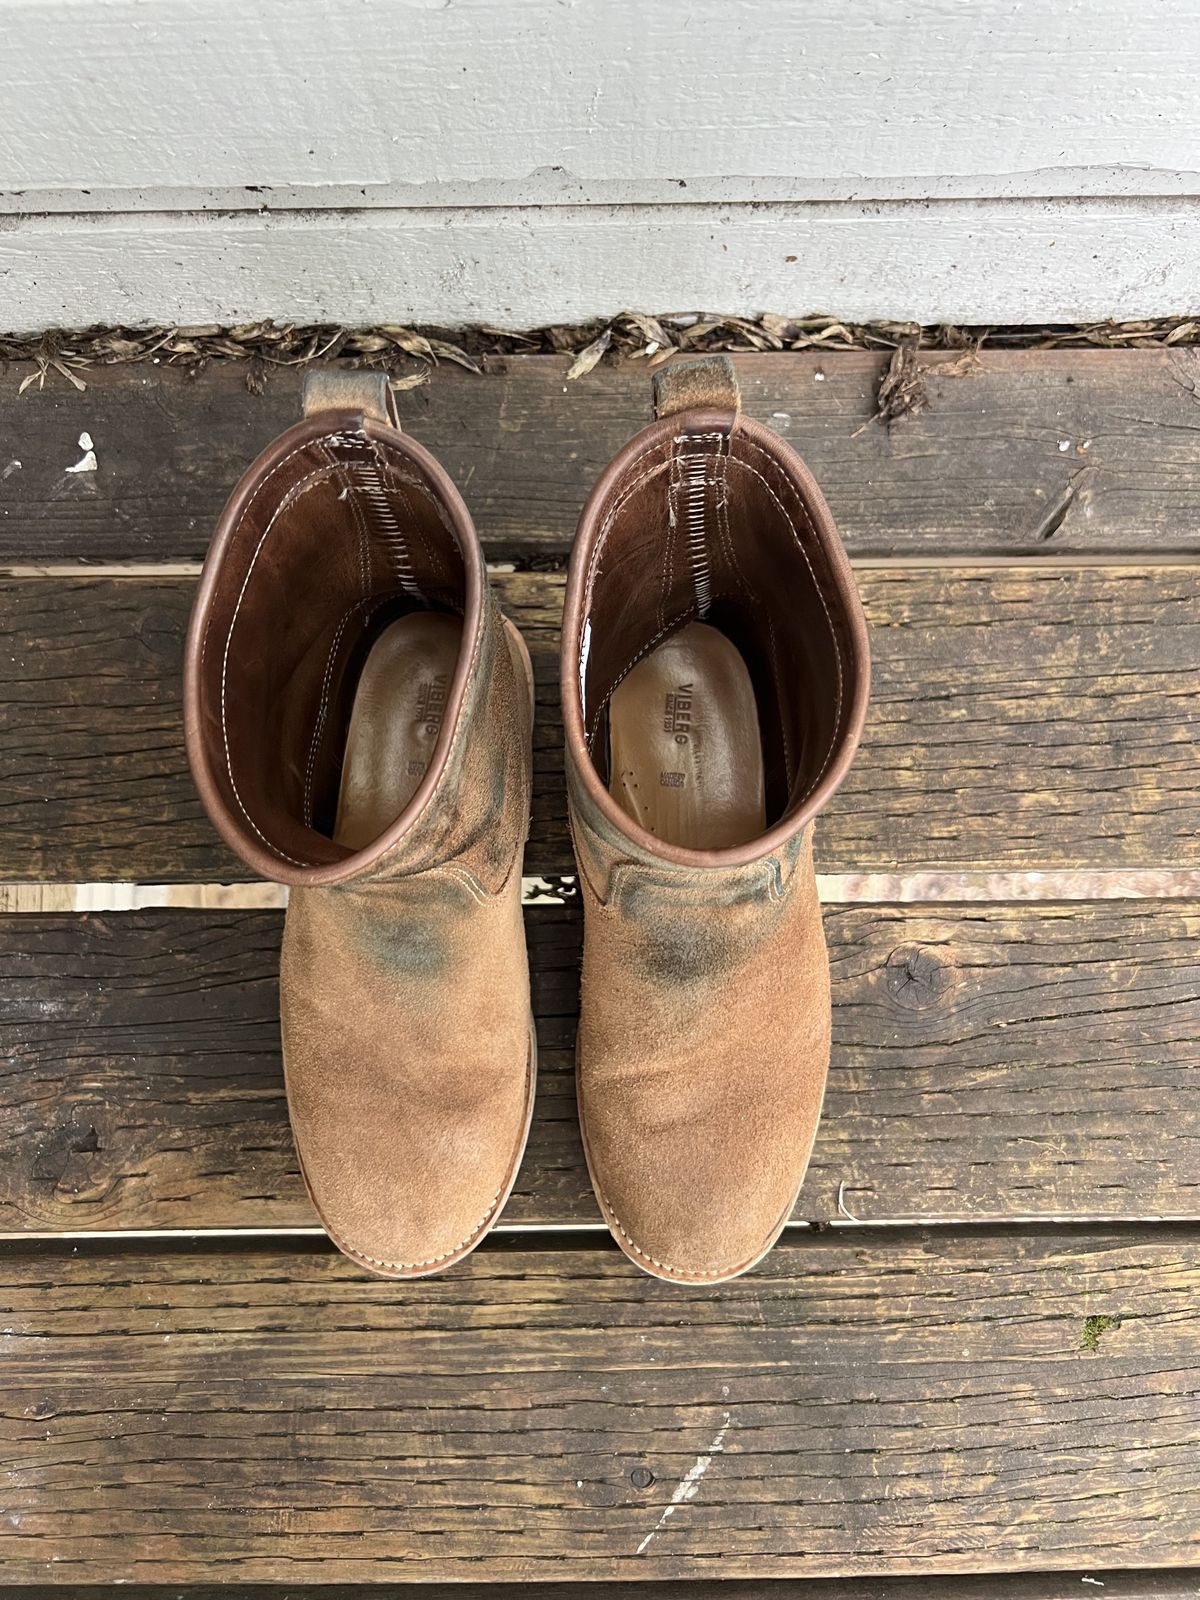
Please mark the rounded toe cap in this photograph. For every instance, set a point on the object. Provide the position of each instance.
(682, 1209)
(408, 1189)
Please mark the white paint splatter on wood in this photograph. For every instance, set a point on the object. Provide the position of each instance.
(87, 462)
(688, 1486)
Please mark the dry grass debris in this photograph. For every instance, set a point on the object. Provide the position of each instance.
(409, 355)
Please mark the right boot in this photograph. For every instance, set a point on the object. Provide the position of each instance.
(358, 719)
(714, 684)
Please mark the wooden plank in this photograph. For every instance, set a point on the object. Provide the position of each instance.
(982, 471)
(960, 261)
(295, 103)
(1160, 1585)
(1020, 719)
(932, 1402)
(990, 1063)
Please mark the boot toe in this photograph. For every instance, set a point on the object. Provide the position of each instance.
(406, 1203)
(677, 1205)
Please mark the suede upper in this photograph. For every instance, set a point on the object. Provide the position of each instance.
(705, 1015)
(404, 992)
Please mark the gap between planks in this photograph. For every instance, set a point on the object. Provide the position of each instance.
(588, 1234)
(834, 888)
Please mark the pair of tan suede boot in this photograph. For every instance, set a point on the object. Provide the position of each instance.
(358, 718)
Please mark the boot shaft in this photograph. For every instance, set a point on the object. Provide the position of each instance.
(706, 516)
(342, 526)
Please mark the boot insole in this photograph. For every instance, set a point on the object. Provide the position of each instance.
(685, 753)
(394, 723)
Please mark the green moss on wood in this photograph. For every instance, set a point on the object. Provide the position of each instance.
(1094, 1327)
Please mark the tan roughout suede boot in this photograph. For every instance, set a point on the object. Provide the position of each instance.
(714, 685)
(358, 719)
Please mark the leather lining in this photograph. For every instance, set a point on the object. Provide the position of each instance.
(342, 527)
(708, 514)
(735, 547)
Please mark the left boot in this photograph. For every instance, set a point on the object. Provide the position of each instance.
(714, 684)
(358, 721)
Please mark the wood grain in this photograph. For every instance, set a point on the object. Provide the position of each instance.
(1027, 453)
(1116, 1585)
(928, 1403)
(1018, 720)
(990, 1063)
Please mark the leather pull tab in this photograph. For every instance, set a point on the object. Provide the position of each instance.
(339, 389)
(709, 384)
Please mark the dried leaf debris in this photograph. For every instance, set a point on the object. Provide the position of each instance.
(409, 355)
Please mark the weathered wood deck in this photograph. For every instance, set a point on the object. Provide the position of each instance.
(978, 1350)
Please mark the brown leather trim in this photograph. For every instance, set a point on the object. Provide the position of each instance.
(201, 757)
(845, 591)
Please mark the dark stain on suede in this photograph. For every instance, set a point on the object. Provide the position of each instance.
(683, 952)
(425, 941)
(418, 948)
(697, 932)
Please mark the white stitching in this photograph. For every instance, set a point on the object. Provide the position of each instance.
(665, 1266)
(405, 1266)
(323, 445)
(288, 501)
(644, 651)
(631, 488)
(343, 476)
(618, 504)
(469, 881)
(332, 438)
(837, 652)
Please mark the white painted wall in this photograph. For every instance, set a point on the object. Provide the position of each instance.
(529, 160)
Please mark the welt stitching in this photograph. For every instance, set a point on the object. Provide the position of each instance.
(665, 1266)
(407, 1266)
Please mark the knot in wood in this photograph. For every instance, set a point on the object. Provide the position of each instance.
(919, 976)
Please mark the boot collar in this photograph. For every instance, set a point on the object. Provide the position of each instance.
(240, 566)
(648, 459)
